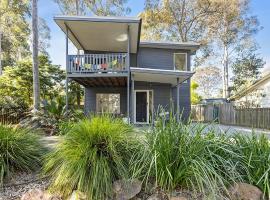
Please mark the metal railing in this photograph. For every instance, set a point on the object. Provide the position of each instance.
(95, 63)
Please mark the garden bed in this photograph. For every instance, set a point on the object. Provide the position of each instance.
(20, 183)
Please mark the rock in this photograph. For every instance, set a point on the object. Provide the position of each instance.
(126, 189)
(244, 191)
(178, 198)
(37, 194)
(156, 196)
(77, 195)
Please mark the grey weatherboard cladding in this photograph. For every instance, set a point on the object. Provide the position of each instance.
(164, 94)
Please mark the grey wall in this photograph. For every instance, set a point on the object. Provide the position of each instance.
(163, 93)
(157, 58)
(184, 99)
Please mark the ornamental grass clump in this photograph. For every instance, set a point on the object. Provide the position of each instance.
(93, 154)
(256, 153)
(20, 151)
(185, 156)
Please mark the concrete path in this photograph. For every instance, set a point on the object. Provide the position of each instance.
(235, 129)
(50, 141)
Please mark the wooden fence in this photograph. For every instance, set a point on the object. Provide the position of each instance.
(10, 116)
(227, 114)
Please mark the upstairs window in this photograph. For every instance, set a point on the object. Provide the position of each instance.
(108, 103)
(180, 61)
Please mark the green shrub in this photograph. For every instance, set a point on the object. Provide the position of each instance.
(20, 150)
(93, 154)
(256, 152)
(65, 123)
(182, 155)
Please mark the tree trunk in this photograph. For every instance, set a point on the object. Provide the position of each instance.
(225, 63)
(36, 89)
(78, 96)
(1, 70)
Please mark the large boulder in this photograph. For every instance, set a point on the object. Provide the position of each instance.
(37, 194)
(178, 198)
(126, 189)
(157, 196)
(244, 191)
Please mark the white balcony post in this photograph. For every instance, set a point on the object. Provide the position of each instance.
(67, 63)
(132, 99)
(178, 101)
(128, 77)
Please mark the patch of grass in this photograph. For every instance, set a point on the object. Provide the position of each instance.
(93, 154)
(20, 150)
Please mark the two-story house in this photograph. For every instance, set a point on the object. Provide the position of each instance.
(123, 75)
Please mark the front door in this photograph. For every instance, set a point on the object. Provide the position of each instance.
(143, 105)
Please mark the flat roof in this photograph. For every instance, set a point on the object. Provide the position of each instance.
(101, 33)
(86, 32)
(192, 46)
(98, 19)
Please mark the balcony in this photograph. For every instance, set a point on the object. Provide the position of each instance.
(112, 63)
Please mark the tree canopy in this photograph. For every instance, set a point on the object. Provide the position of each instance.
(96, 7)
(16, 83)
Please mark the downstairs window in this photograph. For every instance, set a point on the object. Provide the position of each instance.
(108, 103)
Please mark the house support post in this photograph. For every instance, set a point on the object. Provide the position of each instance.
(178, 101)
(132, 99)
(128, 77)
(67, 69)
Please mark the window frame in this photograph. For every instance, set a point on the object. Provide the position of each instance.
(97, 94)
(186, 55)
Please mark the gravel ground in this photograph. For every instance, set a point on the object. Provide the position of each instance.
(14, 188)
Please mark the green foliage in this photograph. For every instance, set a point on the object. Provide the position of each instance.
(97, 7)
(17, 81)
(181, 155)
(20, 150)
(195, 97)
(15, 30)
(66, 122)
(256, 152)
(93, 154)
(246, 68)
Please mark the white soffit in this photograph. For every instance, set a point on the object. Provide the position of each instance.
(101, 33)
(160, 76)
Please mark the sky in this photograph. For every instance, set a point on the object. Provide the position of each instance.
(48, 9)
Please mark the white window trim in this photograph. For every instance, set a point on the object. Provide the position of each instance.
(148, 106)
(174, 61)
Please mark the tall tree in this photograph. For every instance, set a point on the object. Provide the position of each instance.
(16, 83)
(14, 30)
(246, 68)
(229, 27)
(177, 20)
(36, 87)
(209, 81)
(93, 7)
(180, 21)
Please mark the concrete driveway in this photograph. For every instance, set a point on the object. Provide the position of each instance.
(234, 129)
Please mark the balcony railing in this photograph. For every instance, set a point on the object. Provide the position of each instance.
(95, 63)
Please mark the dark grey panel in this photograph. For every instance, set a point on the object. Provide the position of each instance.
(184, 99)
(158, 58)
